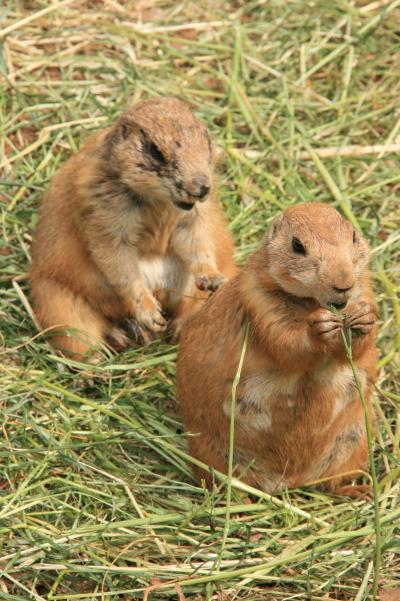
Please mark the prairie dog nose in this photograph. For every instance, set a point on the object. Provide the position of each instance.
(199, 186)
(337, 289)
(343, 280)
(204, 190)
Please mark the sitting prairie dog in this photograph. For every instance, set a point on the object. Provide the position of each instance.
(298, 416)
(130, 231)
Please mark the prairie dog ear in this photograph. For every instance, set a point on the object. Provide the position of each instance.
(119, 131)
(274, 228)
(126, 126)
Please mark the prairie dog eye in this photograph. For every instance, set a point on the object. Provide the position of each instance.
(298, 247)
(156, 153)
(354, 237)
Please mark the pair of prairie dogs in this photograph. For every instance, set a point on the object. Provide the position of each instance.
(130, 236)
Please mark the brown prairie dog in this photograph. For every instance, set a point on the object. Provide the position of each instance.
(298, 416)
(130, 231)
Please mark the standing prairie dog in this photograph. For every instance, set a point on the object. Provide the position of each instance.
(298, 416)
(130, 231)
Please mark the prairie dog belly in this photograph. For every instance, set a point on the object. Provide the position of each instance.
(292, 396)
(274, 412)
(163, 273)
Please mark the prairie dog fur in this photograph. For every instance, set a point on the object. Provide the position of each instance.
(298, 416)
(130, 231)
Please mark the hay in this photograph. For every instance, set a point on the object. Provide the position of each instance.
(97, 501)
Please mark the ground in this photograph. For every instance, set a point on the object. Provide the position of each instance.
(97, 497)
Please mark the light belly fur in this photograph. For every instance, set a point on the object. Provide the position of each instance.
(254, 410)
(163, 273)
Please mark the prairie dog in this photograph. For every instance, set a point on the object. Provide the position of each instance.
(298, 416)
(129, 231)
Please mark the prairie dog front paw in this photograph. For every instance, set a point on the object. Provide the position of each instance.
(148, 313)
(209, 281)
(361, 317)
(324, 325)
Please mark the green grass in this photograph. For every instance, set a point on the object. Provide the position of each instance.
(97, 500)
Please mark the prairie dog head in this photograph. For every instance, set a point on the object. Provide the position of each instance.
(313, 252)
(162, 151)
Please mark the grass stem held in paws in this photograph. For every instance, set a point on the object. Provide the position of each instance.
(347, 335)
